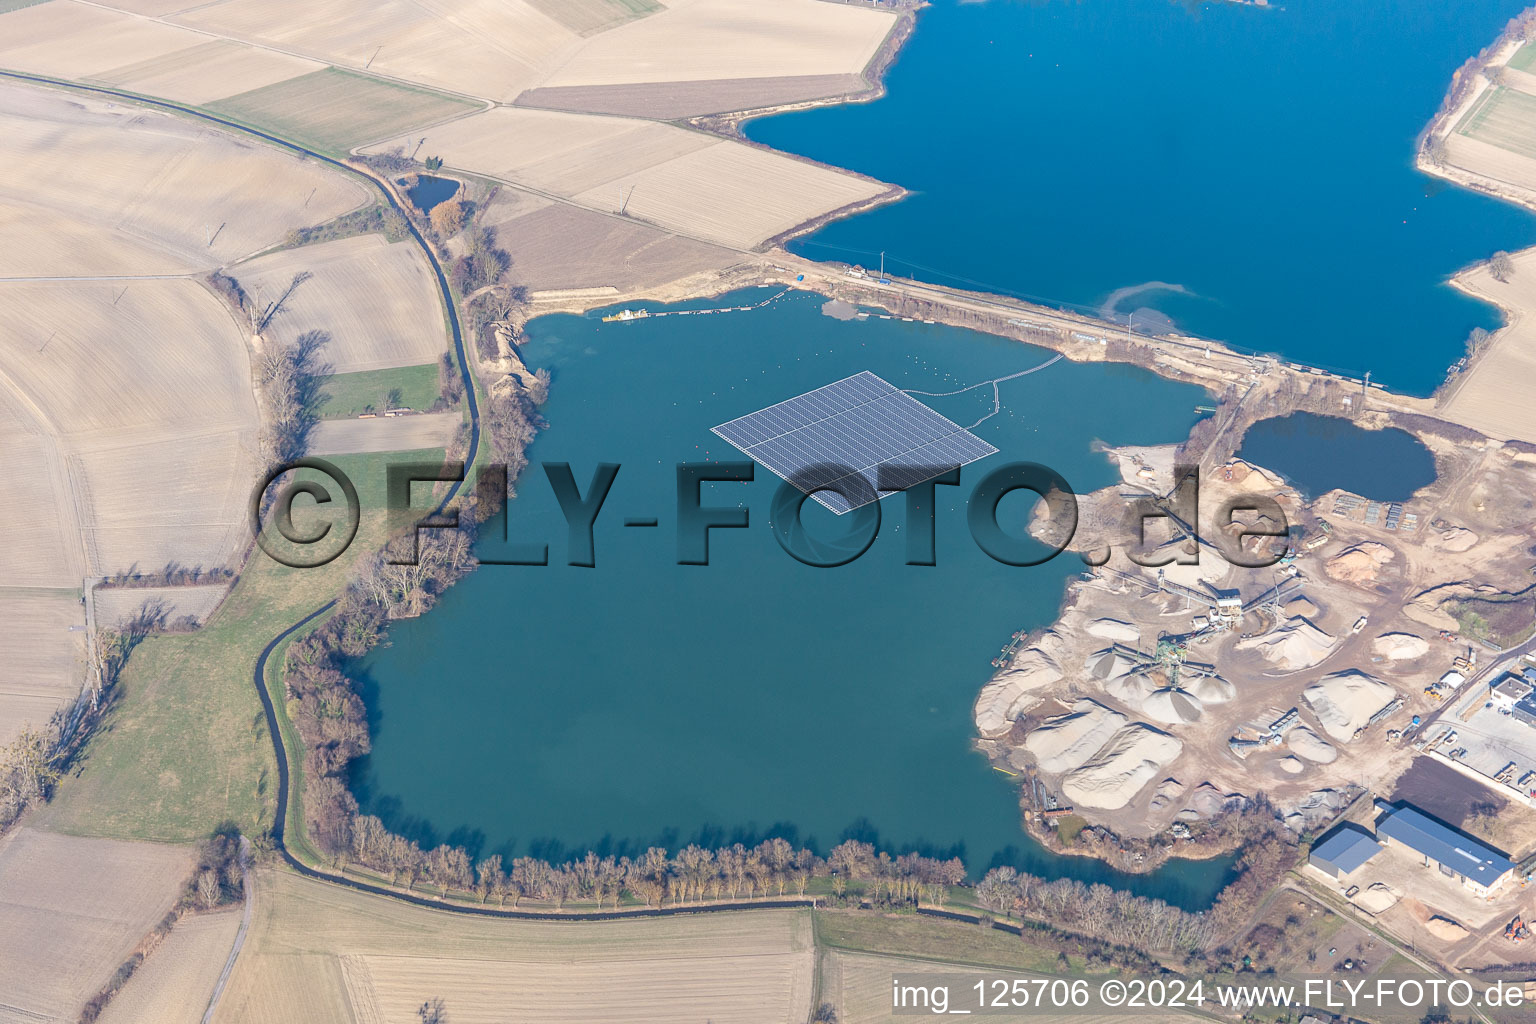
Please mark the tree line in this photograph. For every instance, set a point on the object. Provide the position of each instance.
(1116, 916)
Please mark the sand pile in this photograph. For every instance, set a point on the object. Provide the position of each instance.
(1014, 691)
(1444, 928)
(1172, 706)
(1457, 539)
(1167, 791)
(1209, 802)
(1311, 746)
(1068, 741)
(1345, 701)
(1212, 690)
(1378, 898)
(1400, 646)
(1113, 629)
(1299, 608)
(1118, 772)
(1293, 646)
(1132, 690)
(1291, 765)
(1110, 664)
(1359, 564)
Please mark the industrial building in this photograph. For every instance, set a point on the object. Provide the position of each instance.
(1480, 867)
(1343, 851)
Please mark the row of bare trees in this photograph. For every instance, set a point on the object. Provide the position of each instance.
(1096, 911)
(289, 379)
(1117, 916)
(696, 874)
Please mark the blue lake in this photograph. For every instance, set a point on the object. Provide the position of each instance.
(1261, 159)
(642, 701)
(1319, 453)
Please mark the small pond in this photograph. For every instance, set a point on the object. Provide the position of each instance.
(429, 191)
(1319, 453)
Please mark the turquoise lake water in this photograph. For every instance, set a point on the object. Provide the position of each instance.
(1259, 158)
(642, 702)
(1319, 453)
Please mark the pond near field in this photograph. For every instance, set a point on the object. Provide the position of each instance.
(430, 190)
(547, 710)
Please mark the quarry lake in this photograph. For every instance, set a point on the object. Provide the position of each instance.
(1260, 158)
(1319, 453)
(547, 710)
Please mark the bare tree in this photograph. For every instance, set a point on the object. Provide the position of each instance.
(1501, 266)
(209, 888)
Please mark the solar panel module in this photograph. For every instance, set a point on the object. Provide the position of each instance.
(842, 443)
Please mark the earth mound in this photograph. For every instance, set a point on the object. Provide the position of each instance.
(1113, 629)
(1172, 707)
(1445, 929)
(1213, 690)
(1378, 898)
(1345, 701)
(1310, 745)
(1068, 741)
(1456, 540)
(1296, 645)
(1360, 564)
(1118, 772)
(1013, 691)
(1400, 646)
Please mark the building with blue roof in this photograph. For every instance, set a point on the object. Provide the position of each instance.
(1343, 851)
(1479, 866)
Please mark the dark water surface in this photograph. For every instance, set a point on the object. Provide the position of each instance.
(551, 709)
(429, 191)
(1319, 453)
(1259, 158)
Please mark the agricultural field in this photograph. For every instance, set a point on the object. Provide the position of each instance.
(385, 433)
(94, 188)
(43, 651)
(68, 39)
(206, 72)
(376, 300)
(592, 16)
(690, 183)
(555, 245)
(487, 48)
(71, 910)
(38, 514)
(144, 389)
(334, 110)
(176, 981)
(407, 387)
(1494, 396)
(185, 748)
(115, 604)
(320, 952)
(716, 39)
(1524, 59)
(1505, 118)
(669, 101)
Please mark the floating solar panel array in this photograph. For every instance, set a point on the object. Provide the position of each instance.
(838, 437)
